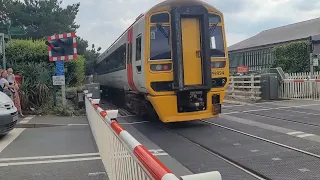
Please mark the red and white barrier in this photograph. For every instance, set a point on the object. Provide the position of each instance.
(300, 80)
(300, 89)
(123, 156)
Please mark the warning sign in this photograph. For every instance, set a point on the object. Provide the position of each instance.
(242, 69)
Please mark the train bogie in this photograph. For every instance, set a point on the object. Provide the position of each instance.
(173, 58)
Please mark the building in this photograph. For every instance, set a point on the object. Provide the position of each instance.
(255, 52)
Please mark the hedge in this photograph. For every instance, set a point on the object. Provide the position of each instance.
(29, 58)
(292, 57)
(21, 51)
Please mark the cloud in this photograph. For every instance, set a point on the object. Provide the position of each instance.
(102, 21)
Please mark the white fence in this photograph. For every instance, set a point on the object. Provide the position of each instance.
(244, 87)
(301, 86)
(300, 89)
(124, 158)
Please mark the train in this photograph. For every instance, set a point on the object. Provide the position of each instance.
(172, 62)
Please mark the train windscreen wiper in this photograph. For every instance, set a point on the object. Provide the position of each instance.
(162, 31)
(212, 28)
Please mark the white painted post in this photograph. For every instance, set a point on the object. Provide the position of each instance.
(252, 87)
(232, 85)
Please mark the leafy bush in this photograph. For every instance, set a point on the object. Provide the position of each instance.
(29, 59)
(76, 71)
(292, 57)
(37, 83)
(22, 51)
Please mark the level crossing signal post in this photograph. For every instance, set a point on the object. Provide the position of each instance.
(61, 47)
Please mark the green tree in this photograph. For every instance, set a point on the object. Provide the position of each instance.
(292, 57)
(41, 18)
(90, 56)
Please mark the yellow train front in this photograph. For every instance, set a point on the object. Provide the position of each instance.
(186, 61)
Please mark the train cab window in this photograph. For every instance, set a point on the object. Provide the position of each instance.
(138, 48)
(160, 18)
(216, 41)
(213, 18)
(160, 48)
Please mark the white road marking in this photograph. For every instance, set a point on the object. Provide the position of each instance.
(276, 159)
(78, 124)
(24, 121)
(10, 137)
(305, 135)
(287, 131)
(158, 152)
(28, 118)
(254, 150)
(304, 170)
(295, 132)
(96, 173)
(48, 161)
(138, 122)
(48, 157)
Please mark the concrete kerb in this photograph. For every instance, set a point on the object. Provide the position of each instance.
(37, 125)
(235, 102)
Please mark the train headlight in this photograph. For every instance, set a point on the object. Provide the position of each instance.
(159, 67)
(218, 64)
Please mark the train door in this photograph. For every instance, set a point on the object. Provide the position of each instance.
(191, 51)
(138, 57)
(137, 60)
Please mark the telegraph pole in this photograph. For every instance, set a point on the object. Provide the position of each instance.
(314, 53)
(3, 51)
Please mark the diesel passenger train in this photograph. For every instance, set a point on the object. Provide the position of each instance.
(172, 62)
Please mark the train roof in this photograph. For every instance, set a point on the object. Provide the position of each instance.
(159, 6)
(171, 3)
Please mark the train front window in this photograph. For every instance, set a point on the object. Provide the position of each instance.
(216, 41)
(160, 42)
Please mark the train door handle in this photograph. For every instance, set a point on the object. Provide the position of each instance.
(138, 68)
(198, 54)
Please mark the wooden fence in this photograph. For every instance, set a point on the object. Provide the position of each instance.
(244, 88)
(294, 86)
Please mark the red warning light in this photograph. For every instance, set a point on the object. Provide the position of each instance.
(165, 67)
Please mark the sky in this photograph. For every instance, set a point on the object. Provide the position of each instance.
(102, 21)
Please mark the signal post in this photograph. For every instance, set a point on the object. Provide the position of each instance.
(61, 47)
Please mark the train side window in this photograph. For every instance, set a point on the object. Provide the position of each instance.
(138, 48)
(160, 48)
(160, 18)
(115, 61)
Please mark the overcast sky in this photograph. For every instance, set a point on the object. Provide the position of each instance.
(102, 21)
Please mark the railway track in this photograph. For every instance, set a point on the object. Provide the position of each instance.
(229, 160)
(250, 171)
(219, 155)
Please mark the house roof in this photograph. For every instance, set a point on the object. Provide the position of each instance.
(300, 30)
